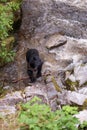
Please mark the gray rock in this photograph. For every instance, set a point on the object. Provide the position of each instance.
(51, 92)
(73, 50)
(80, 73)
(14, 98)
(8, 103)
(36, 90)
(63, 98)
(53, 16)
(78, 3)
(82, 116)
(83, 90)
(33, 90)
(55, 41)
(68, 97)
(47, 93)
(72, 78)
(6, 87)
(7, 110)
(76, 98)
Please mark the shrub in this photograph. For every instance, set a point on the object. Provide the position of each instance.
(83, 126)
(7, 10)
(37, 116)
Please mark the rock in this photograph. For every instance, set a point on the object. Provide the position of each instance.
(48, 79)
(83, 90)
(68, 97)
(63, 98)
(8, 102)
(82, 116)
(7, 110)
(6, 87)
(78, 3)
(80, 73)
(36, 90)
(52, 16)
(51, 91)
(47, 67)
(47, 93)
(76, 98)
(72, 78)
(52, 96)
(13, 98)
(73, 51)
(55, 41)
(29, 91)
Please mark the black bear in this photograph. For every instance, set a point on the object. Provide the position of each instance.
(34, 64)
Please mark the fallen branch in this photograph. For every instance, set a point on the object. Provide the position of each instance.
(17, 80)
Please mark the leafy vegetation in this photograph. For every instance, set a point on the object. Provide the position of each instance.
(37, 116)
(7, 9)
(83, 126)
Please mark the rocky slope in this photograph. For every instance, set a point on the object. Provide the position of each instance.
(58, 30)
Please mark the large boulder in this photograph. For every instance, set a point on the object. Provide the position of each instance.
(53, 16)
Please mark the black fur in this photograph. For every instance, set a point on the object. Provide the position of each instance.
(34, 64)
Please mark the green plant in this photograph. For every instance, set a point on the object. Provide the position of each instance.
(5, 54)
(69, 110)
(7, 9)
(37, 116)
(83, 126)
(3, 0)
